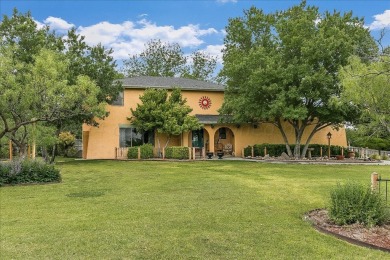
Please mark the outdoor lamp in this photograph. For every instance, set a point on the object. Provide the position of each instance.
(329, 135)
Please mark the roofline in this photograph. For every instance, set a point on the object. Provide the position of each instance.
(170, 87)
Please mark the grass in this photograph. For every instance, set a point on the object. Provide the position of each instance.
(176, 210)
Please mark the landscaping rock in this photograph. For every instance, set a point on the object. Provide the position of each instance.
(285, 156)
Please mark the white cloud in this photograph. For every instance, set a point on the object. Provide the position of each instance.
(226, 1)
(58, 24)
(104, 32)
(39, 24)
(216, 51)
(381, 21)
(129, 38)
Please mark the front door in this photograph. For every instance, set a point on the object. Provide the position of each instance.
(197, 138)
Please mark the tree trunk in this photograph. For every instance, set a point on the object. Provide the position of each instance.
(53, 154)
(169, 139)
(278, 124)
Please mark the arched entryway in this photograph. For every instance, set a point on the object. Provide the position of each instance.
(224, 141)
(200, 139)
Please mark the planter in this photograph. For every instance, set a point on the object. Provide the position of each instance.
(220, 155)
(351, 154)
(209, 155)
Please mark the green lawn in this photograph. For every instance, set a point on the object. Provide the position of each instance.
(176, 210)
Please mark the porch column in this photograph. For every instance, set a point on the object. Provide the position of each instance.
(184, 140)
(211, 141)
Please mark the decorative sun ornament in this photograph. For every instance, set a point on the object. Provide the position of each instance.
(205, 102)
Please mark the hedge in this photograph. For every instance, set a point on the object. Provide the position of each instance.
(146, 151)
(28, 171)
(278, 149)
(176, 152)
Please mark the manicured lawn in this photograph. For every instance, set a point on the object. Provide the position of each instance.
(176, 210)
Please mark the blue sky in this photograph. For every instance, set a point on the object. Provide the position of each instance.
(125, 26)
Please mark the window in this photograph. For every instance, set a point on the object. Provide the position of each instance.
(119, 100)
(129, 137)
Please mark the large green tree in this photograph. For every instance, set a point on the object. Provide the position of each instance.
(163, 112)
(367, 84)
(168, 60)
(23, 45)
(41, 92)
(282, 68)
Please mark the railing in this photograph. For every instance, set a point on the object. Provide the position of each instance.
(385, 191)
(376, 184)
(121, 152)
(194, 153)
(366, 152)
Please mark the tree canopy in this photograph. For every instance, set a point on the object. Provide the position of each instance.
(283, 67)
(50, 78)
(164, 113)
(168, 60)
(367, 84)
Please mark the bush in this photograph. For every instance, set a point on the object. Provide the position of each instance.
(385, 157)
(176, 152)
(375, 156)
(146, 151)
(356, 203)
(278, 149)
(132, 152)
(28, 171)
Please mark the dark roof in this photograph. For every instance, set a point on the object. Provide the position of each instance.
(168, 83)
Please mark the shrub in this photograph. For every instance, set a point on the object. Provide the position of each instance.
(28, 171)
(176, 152)
(356, 203)
(385, 157)
(146, 151)
(132, 152)
(375, 156)
(248, 151)
(278, 149)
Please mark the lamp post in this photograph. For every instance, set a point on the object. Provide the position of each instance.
(329, 136)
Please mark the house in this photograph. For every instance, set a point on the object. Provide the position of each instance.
(205, 98)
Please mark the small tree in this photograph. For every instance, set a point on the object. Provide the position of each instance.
(162, 113)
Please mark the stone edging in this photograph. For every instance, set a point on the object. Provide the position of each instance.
(344, 238)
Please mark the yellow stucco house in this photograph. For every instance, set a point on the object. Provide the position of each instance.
(205, 98)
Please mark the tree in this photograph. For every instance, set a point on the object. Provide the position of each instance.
(168, 60)
(202, 67)
(162, 113)
(282, 68)
(40, 92)
(21, 42)
(367, 84)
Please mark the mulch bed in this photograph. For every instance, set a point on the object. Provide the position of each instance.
(375, 237)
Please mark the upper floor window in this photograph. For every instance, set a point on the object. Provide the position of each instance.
(119, 100)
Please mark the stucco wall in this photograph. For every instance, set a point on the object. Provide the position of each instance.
(100, 142)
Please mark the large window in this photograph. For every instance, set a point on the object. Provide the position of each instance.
(129, 136)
